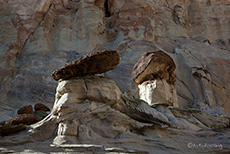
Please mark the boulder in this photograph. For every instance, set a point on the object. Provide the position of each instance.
(26, 110)
(40, 106)
(90, 64)
(152, 66)
(26, 119)
(11, 129)
(26, 116)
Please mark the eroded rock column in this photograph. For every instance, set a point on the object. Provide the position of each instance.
(154, 74)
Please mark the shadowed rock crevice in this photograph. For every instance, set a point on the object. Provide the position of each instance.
(106, 7)
(39, 24)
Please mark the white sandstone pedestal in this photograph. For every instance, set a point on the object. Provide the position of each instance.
(158, 91)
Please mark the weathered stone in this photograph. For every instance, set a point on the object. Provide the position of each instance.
(176, 122)
(40, 106)
(26, 119)
(6, 130)
(51, 33)
(158, 91)
(153, 66)
(98, 88)
(92, 108)
(178, 15)
(26, 110)
(201, 118)
(198, 75)
(186, 114)
(103, 90)
(40, 34)
(141, 111)
(90, 64)
(212, 121)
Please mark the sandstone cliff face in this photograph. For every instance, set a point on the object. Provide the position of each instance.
(38, 36)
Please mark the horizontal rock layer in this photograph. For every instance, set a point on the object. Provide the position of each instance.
(92, 113)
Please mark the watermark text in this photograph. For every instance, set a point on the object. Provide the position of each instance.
(204, 146)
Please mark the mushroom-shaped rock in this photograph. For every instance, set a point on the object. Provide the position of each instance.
(154, 65)
(90, 64)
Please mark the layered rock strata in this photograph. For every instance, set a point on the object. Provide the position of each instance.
(38, 36)
(92, 110)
